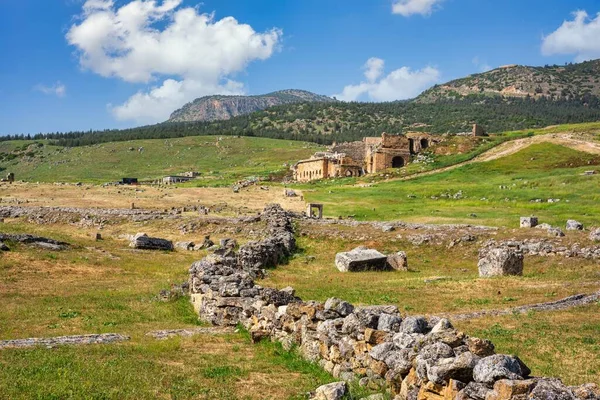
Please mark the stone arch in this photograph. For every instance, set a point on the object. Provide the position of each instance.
(424, 144)
(397, 162)
(348, 173)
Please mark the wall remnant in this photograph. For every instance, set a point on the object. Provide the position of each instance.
(413, 356)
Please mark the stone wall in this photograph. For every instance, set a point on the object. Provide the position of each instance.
(412, 356)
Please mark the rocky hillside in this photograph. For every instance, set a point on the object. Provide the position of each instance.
(214, 108)
(570, 82)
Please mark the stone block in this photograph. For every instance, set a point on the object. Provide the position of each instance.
(500, 261)
(528, 222)
(573, 225)
(398, 261)
(361, 259)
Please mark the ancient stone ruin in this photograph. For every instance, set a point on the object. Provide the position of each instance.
(371, 155)
(500, 261)
(144, 242)
(412, 356)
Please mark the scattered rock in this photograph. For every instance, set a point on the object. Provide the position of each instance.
(528, 222)
(398, 261)
(145, 242)
(360, 259)
(331, 391)
(573, 225)
(500, 261)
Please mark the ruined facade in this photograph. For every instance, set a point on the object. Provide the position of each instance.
(371, 155)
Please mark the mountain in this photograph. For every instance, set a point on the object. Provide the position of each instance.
(570, 82)
(215, 108)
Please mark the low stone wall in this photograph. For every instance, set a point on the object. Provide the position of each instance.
(546, 248)
(414, 357)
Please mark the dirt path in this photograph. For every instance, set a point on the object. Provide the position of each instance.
(573, 141)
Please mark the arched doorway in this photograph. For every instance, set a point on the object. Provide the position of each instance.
(397, 162)
(424, 144)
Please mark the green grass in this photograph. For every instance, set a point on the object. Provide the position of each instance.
(220, 162)
(493, 193)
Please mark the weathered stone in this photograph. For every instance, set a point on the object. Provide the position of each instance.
(145, 242)
(400, 361)
(360, 259)
(473, 391)
(442, 325)
(573, 225)
(413, 325)
(381, 351)
(506, 389)
(595, 235)
(555, 232)
(331, 391)
(398, 261)
(459, 368)
(341, 307)
(589, 391)
(389, 323)
(495, 367)
(373, 336)
(480, 347)
(551, 389)
(185, 245)
(528, 222)
(500, 261)
(408, 340)
(4, 247)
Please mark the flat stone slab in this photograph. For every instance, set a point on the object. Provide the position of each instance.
(361, 259)
(103, 338)
(169, 333)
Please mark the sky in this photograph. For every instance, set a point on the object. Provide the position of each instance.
(70, 65)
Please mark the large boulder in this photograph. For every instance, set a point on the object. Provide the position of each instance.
(360, 259)
(500, 261)
(595, 235)
(145, 242)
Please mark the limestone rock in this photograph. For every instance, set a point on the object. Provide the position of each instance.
(499, 366)
(573, 225)
(398, 261)
(185, 245)
(331, 391)
(595, 235)
(413, 325)
(480, 347)
(500, 261)
(389, 323)
(341, 307)
(551, 389)
(360, 259)
(528, 222)
(145, 242)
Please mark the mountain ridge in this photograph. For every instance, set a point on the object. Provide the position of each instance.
(224, 107)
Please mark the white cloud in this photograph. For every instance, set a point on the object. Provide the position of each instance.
(407, 8)
(58, 89)
(403, 83)
(482, 66)
(147, 40)
(580, 37)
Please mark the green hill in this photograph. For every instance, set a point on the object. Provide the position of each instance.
(492, 193)
(220, 160)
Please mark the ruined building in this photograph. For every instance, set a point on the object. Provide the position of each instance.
(372, 154)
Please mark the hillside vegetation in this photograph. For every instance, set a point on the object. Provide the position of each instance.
(490, 193)
(220, 160)
(569, 82)
(505, 99)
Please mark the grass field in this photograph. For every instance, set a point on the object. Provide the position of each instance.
(563, 344)
(220, 161)
(494, 193)
(105, 287)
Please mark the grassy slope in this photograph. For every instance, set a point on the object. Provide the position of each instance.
(497, 192)
(226, 160)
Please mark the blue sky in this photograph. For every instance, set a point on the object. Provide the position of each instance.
(95, 64)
